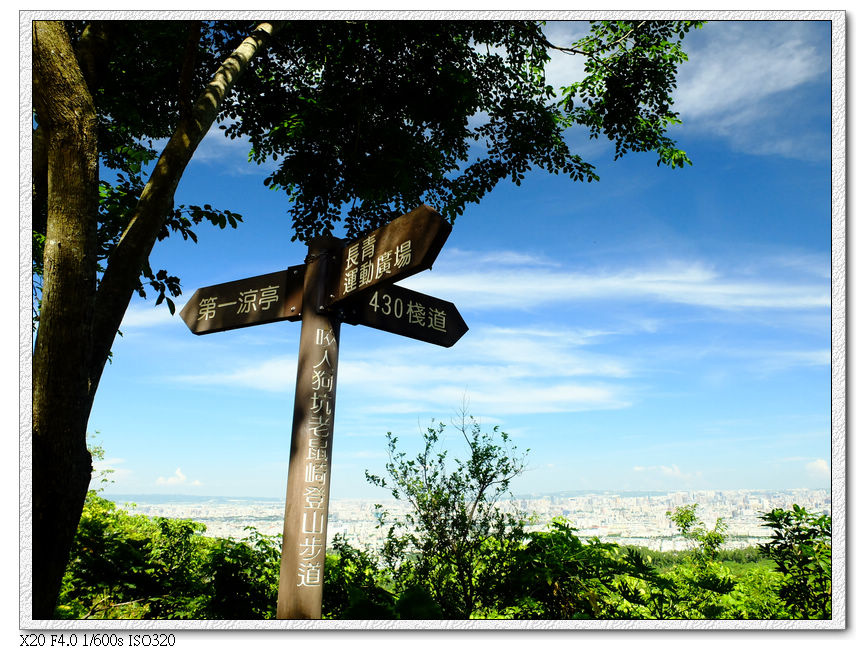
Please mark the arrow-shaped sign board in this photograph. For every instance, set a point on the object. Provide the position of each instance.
(252, 301)
(401, 248)
(401, 311)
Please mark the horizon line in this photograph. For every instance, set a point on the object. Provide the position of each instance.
(521, 495)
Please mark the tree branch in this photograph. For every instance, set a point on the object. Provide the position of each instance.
(95, 608)
(594, 55)
(572, 51)
(132, 251)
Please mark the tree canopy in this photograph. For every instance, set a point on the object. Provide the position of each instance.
(370, 119)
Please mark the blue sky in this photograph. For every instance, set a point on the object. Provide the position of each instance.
(658, 330)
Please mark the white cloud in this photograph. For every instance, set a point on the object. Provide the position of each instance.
(531, 369)
(743, 65)
(228, 155)
(500, 370)
(109, 470)
(668, 472)
(462, 256)
(564, 69)
(743, 82)
(800, 264)
(779, 360)
(818, 469)
(759, 360)
(107, 463)
(231, 156)
(177, 478)
(274, 374)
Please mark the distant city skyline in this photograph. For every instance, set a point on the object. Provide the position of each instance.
(658, 330)
(627, 518)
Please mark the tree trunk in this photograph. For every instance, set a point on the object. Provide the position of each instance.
(61, 462)
(77, 325)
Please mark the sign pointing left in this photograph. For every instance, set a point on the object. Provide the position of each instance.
(253, 301)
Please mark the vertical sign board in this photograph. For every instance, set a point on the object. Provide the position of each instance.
(351, 282)
(307, 493)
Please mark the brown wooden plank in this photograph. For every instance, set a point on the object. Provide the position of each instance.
(252, 301)
(398, 310)
(403, 247)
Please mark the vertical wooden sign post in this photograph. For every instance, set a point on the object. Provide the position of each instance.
(341, 281)
(304, 537)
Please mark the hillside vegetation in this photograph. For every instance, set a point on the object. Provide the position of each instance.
(456, 555)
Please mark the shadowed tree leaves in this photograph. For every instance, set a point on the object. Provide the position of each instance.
(375, 118)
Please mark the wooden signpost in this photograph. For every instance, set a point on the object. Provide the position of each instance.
(253, 301)
(401, 311)
(351, 282)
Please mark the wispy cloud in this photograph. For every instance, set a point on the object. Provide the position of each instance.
(772, 361)
(273, 374)
(544, 369)
(463, 256)
(110, 469)
(497, 284)
(565, 69)
(232, 156)
(139, 317)
(520, 281)
(501, 370)
(725, 361)
(814, 468)
(744, 80)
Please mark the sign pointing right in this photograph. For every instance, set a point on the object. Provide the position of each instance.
(402, 311)
(401, 248)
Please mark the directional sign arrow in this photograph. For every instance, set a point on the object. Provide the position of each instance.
(401, 311)
(403, 247)
(251, 301)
